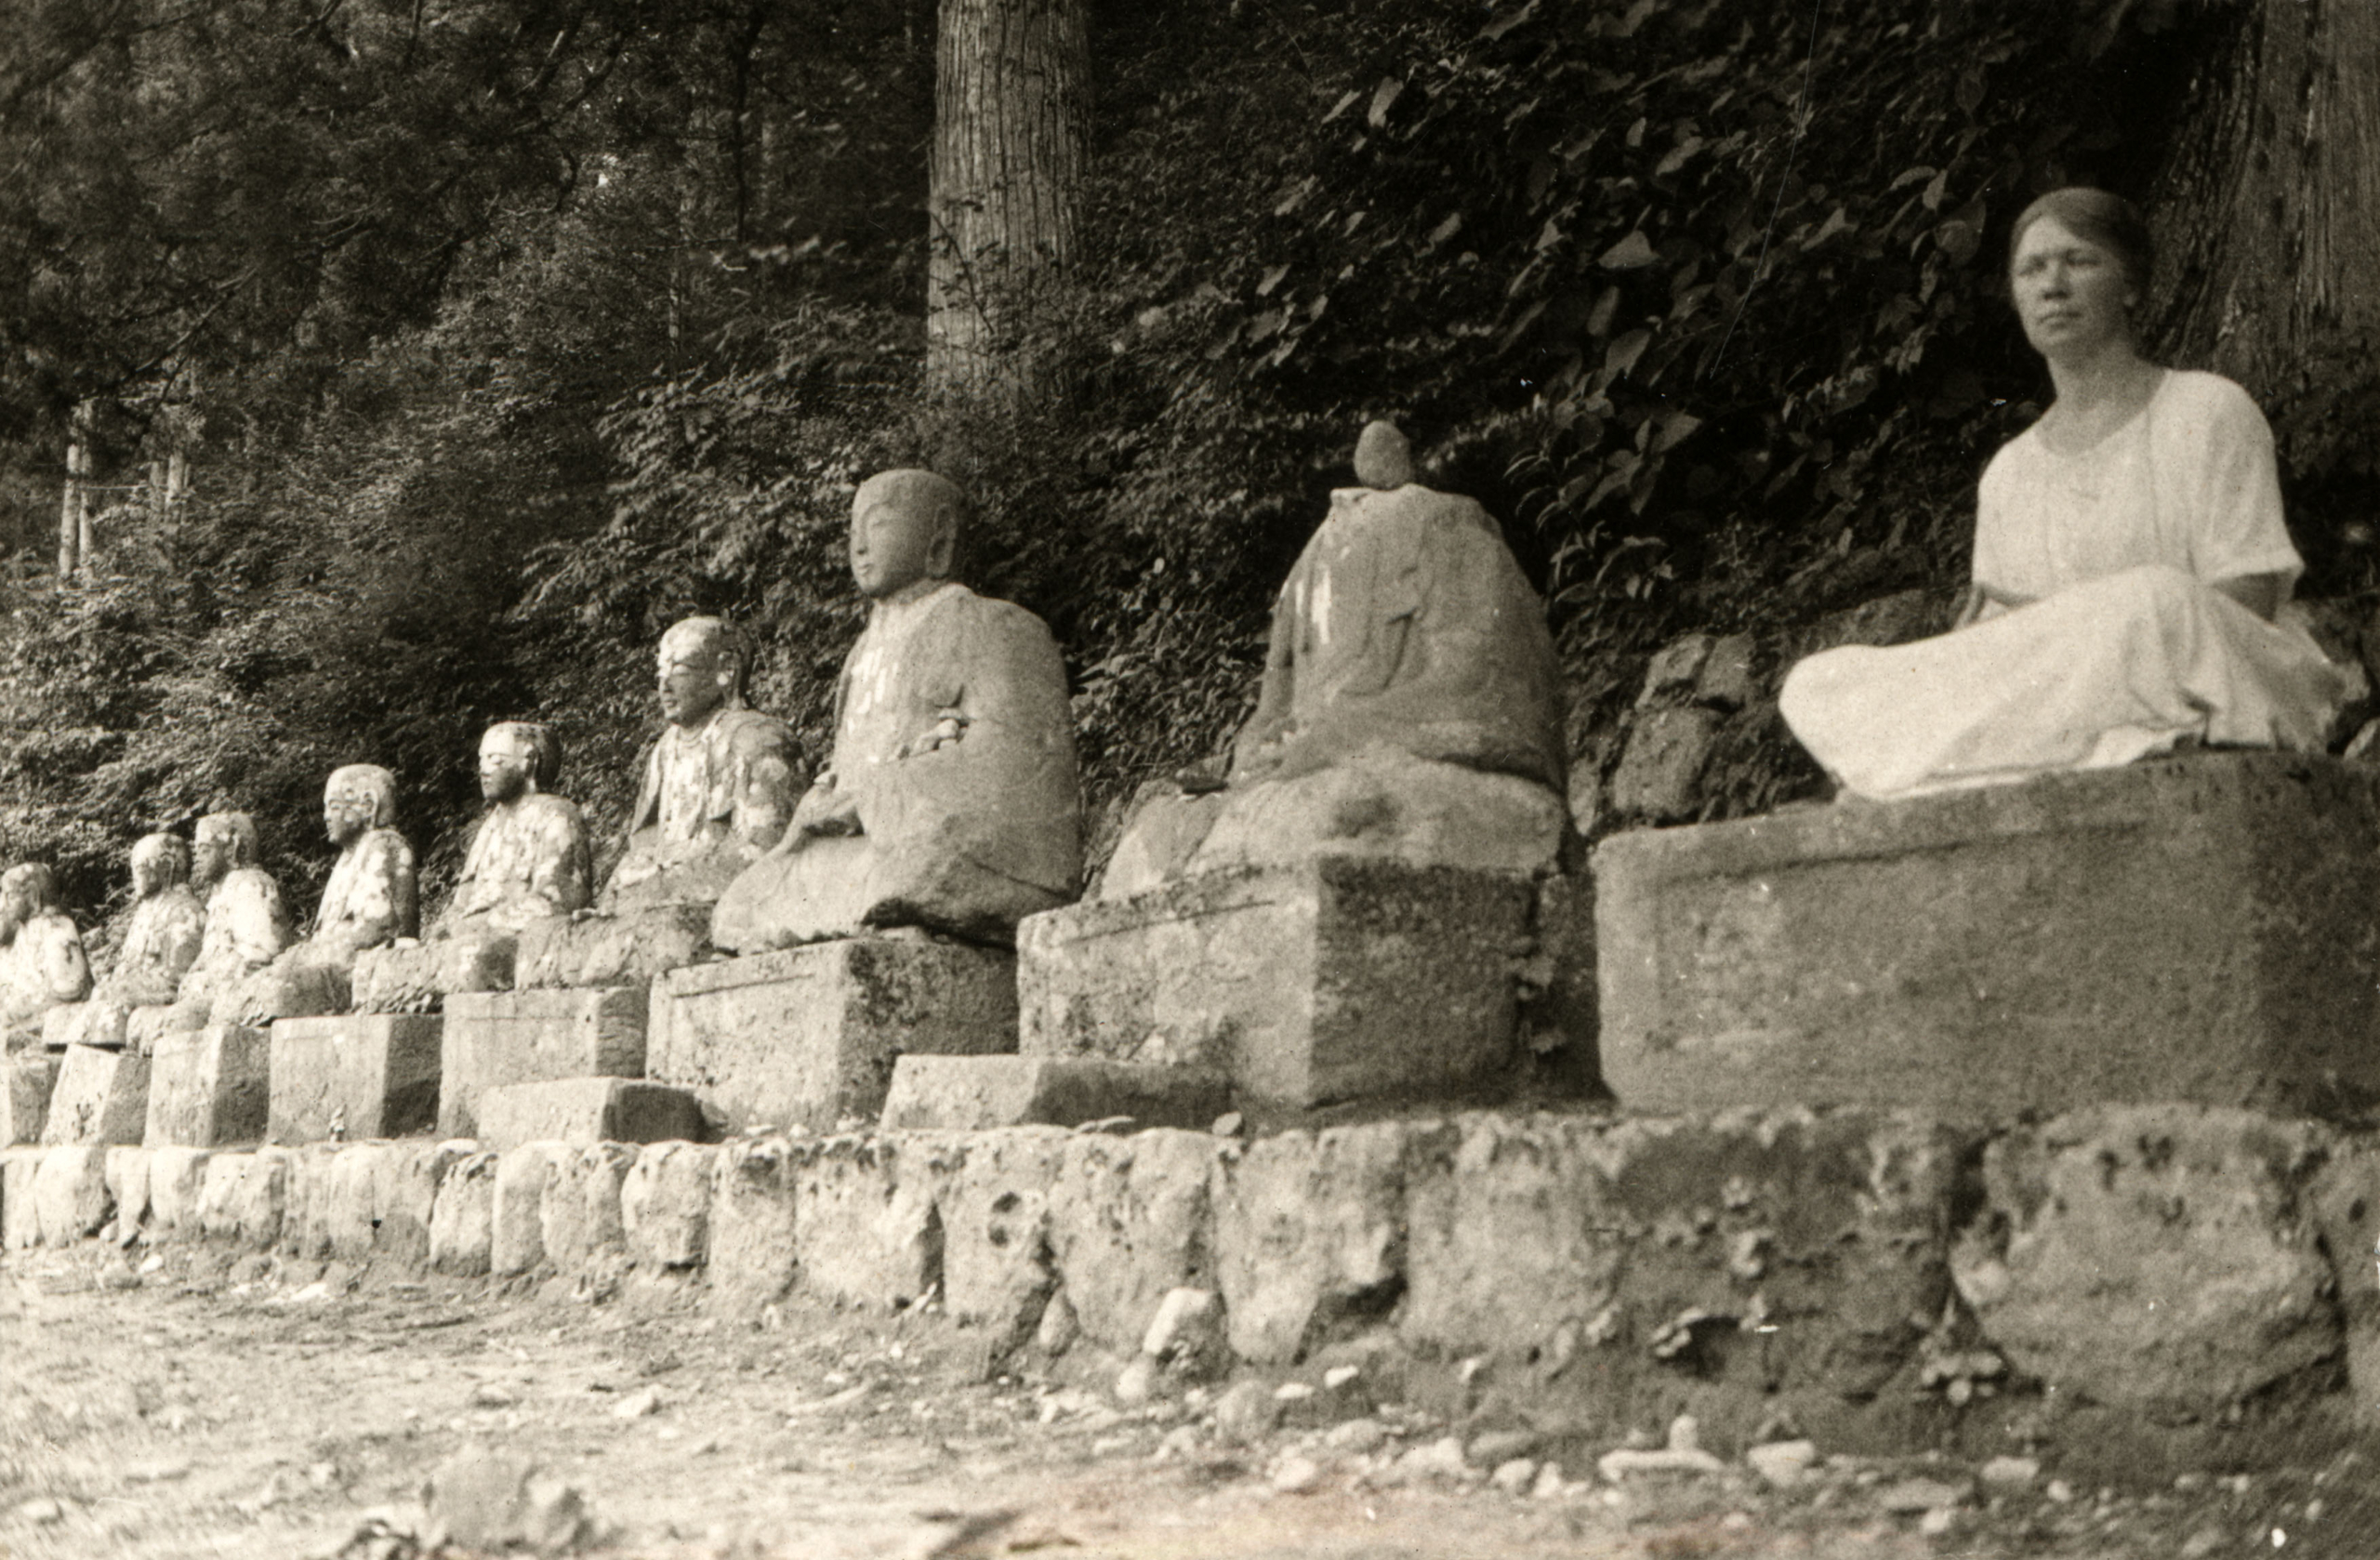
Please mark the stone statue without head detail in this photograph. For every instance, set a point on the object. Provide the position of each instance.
(247, 926)
(368, 901)
(950, 801)
(44, 965)
(1408, 709)
(160, 940)
(529, 862)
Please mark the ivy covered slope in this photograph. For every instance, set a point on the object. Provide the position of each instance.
(1700, 296)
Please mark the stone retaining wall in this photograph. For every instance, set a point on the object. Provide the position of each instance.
(1858, 1274)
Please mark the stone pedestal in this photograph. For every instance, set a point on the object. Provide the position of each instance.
(633, 948)
(208, 1088)
(92, 1024)
(587, 1110)
(807, 1036)
(32, 1076)
(1335, 979)
(2198, 929)
(101, 1097)
(353, 1076)
(495, 1038)
(970, 1093)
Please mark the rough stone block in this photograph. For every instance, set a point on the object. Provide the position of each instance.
(1339, 979)
(93, 1023)
(144, 1026)
(807, 1036)
(589, 1110)
(517, 1235)
(998, 1271)
(866, 1231)
(462, 1223)
(177, 1176)
(751, 1245)
(1783, 1253)
(263, 1199)
(127, 1175)
(2179, 930)
(1661, 766)
(1130, 1221)
(352, 1076)
(71, 1194)
(20, 1215)
(497, 1038)
(102, 1097)
(635, 948)
(209, 1086)
(665, 1205)
(218, 1195)
(351, 1194)
(2345, 1202)
(410, 976)
(2153, 1257)
(306, 1222)
(1309, 1236)
(32, 1079)
(581, 1213)
(405, 1195)
(968, 1094)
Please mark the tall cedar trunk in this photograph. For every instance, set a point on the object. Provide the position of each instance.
(1011, 82)
(2269, 207)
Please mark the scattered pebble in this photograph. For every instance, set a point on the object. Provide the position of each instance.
(1782, 1464)
(1495, 1447)
(1296, 1476)
(637, 1405)
(2060, 1491)
(41, 1510)
(1441, 1459)
(1247, 1411)
(1514, 1475)
(1911, 1496)
(1549, 1485)
(493, 1394)
(1356, 1436)
(1338, 1376)
(1938, 1521)
(2012, 1473)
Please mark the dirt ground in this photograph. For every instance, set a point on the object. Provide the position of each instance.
(227, 1406)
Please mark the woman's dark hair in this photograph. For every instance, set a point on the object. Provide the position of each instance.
(2108, 220)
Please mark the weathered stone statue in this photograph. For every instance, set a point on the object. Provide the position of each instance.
(950, 801)
(529, 861)
(368, 901)
(246, 927)
(44, 964)
(160, 939)
(1408, 709)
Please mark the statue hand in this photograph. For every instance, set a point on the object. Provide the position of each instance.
(824, 809)
(946, 732)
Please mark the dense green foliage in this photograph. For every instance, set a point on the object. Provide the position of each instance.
(505, 331)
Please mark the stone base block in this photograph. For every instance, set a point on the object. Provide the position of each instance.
(354, 1075)
(1336, 979)
(208, 1088)
(968, 1093)
(33, 1076)
(807, 1036)
(587, 1110)
(102, 1097)
(410, 976)
(495, 1038)
(2197, 929)
(91, 1023)
(632, 949)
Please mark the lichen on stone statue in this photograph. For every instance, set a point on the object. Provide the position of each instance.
(950, 801)
(528, 862)
(247, 926)
(369, 900)
(1410, 707)
(43, 966)
(717, 791)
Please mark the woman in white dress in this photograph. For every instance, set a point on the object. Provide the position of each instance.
(2131, 564)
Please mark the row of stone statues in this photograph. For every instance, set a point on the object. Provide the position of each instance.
(1407, 709)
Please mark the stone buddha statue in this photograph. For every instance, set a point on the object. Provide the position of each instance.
(1409, 706)
(528, 862)
(718, 787)
(161, 940)
(950, 801)
(368, 901)
(246, 929)
(44, 964)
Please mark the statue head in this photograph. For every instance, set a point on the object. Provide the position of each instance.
(26, 890)
(905, 528)
(1383, 459)
(518, 758)
(221, 844)
(356, 798)
(159, 861)
(702, 664)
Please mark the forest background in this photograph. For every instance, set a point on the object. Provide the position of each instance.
(421, 359)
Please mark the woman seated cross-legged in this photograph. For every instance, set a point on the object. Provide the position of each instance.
(2131, 563)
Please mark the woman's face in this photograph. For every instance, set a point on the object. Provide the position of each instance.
(2071, 294)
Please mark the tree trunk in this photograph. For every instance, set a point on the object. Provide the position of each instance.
(74, 503)
(1010, 100)
(2268, 210)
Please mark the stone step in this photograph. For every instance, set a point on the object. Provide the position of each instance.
(352, 1076)
(495, 1038)
(968, 1093)
(102, 1097)
(209, 1088)
(587, 1110)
